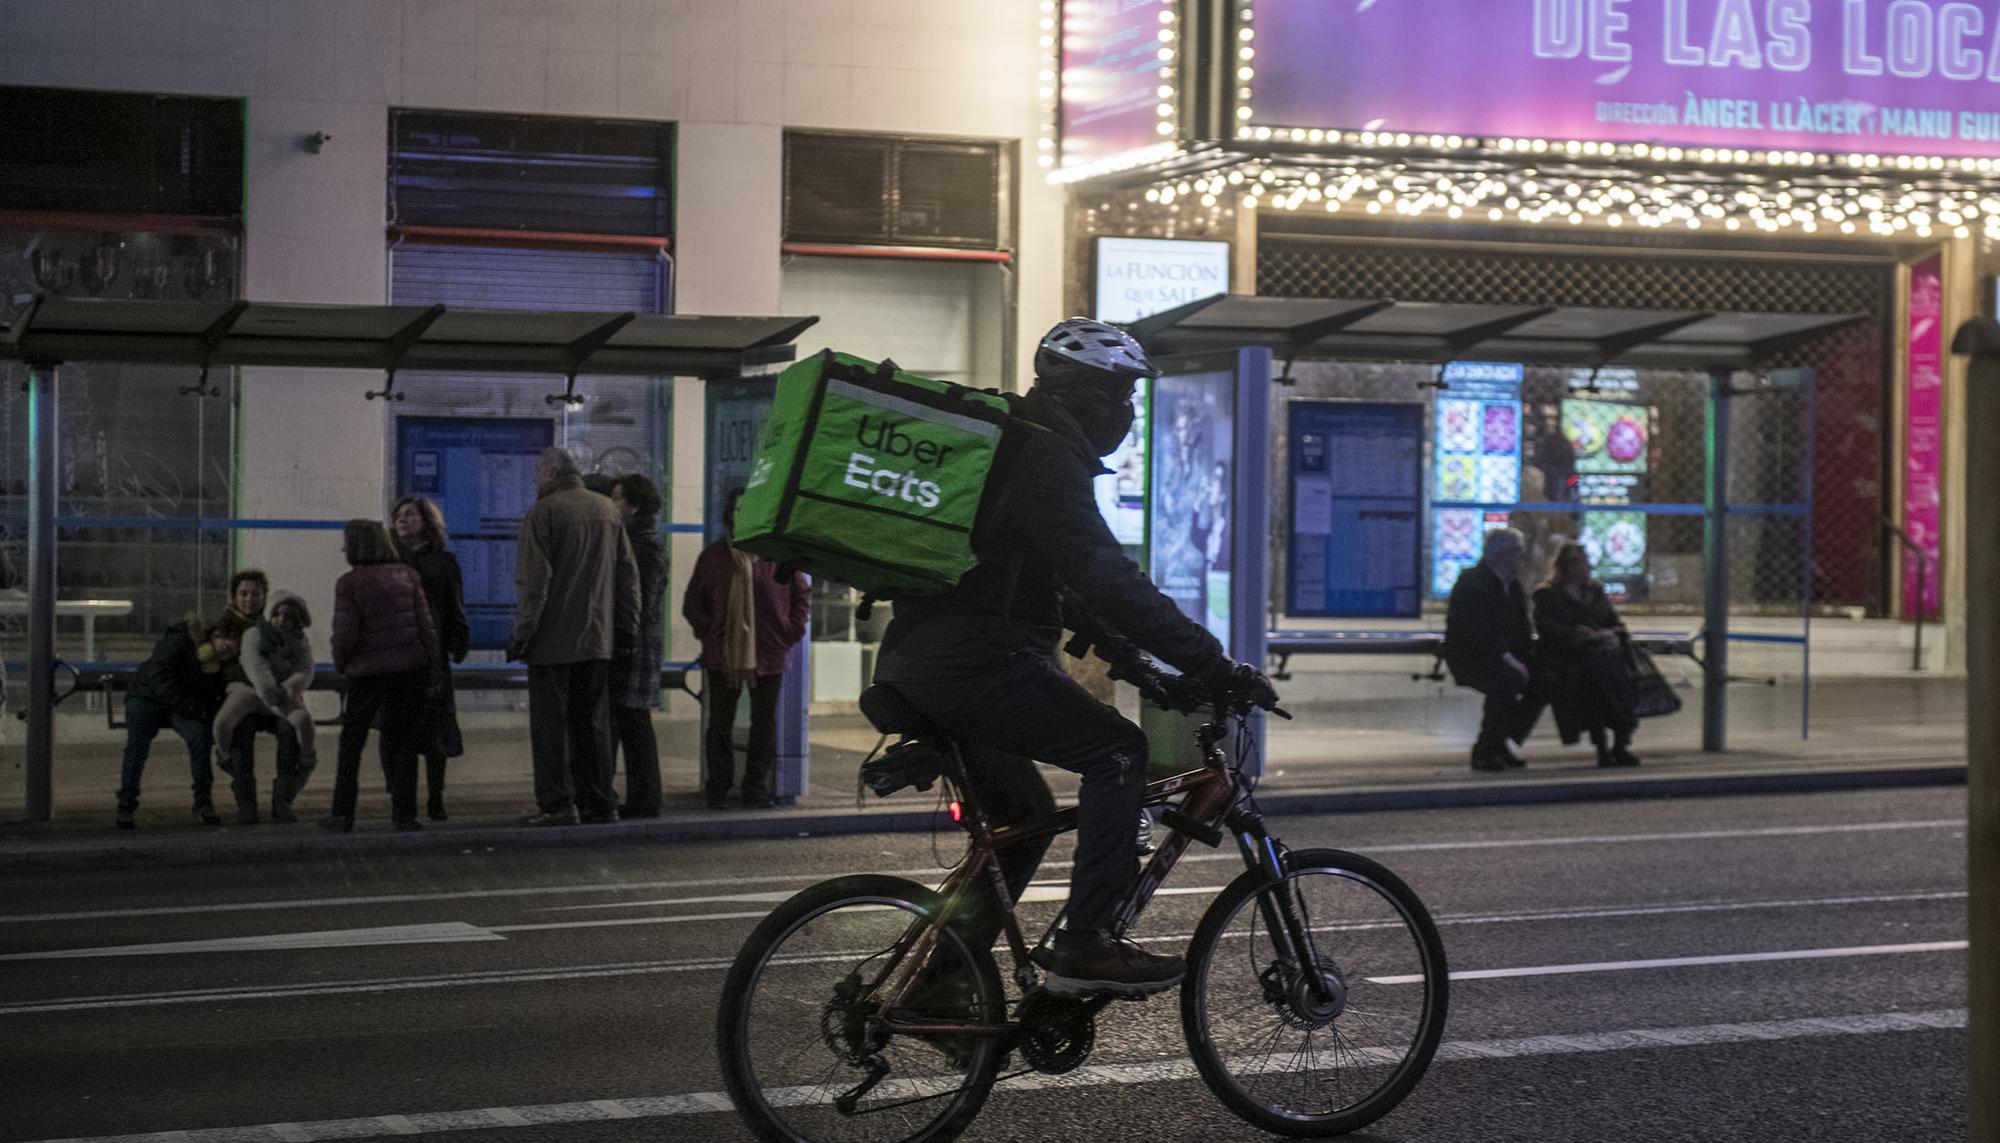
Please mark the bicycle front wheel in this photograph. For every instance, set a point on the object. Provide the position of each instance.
(805, 1055)
(1323, 1036)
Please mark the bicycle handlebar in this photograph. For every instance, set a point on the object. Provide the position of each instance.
(1229, 695)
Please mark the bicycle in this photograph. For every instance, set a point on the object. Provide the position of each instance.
(1314, 999)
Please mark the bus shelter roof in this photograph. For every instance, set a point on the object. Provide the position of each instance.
(53, 330)
(1357, 329)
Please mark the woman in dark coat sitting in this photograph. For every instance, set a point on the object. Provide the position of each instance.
(1581, 646)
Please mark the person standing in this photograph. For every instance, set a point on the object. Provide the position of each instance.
(576, 607)
(1582, 644)
(1489, 642)
(418, 529)
(386, 646)
(179, 686)
(747, 622)
(635, 676)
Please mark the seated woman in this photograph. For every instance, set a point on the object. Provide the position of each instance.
(1581, 646)
(277, 662)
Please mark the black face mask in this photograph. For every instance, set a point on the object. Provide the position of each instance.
(1104, 417)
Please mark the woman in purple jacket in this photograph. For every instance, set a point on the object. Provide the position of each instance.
(747, 622)
(386, 645)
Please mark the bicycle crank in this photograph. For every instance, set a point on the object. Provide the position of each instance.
(1056, 1033)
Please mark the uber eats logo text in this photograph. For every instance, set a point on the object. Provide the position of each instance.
(879, 477)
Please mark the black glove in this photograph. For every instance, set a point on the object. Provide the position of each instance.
(1244, 683)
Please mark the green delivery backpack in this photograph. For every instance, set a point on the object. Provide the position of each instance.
(871, 476)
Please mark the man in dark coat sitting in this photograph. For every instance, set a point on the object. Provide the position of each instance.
(1489, 642)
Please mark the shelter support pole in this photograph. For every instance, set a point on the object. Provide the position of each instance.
(1982, 684)
(41, 589)
(1715, 573)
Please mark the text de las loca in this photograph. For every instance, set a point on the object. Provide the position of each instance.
(1907, 39)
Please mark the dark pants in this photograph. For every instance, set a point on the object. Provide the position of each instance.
(1023, 707)
(569, 733)
(634, 729)
(144, 719)
(761, 760)
(397, 700)
(286, 777)
(1512, 708)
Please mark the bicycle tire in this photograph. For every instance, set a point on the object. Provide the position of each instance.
(768, 1118)
(1221, 1074)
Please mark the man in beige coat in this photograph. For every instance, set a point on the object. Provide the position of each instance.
(576, 605)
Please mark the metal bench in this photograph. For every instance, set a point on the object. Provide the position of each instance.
(1282, 645)
(108, 678)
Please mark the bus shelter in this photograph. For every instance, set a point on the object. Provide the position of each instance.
(1728, 357)
(391, 340)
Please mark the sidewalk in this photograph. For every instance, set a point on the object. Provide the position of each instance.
(1396, 753)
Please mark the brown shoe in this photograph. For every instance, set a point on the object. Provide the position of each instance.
(1092, 963)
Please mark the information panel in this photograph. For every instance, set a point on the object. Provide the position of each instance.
(481, 473)
(1193, 458)
(1868, 76)
(1357, 480)
(1476, 444)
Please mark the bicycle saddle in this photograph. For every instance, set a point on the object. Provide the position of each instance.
(889, 712)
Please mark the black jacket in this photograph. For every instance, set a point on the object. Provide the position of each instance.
(1486, 618)
(1589, 687)
(444, 590)
(173, 677)
(1042, 533)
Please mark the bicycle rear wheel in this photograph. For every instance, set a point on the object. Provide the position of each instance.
(1297, 1059)
(797, 1030)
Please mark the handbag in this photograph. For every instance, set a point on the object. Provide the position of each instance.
(1653, 695)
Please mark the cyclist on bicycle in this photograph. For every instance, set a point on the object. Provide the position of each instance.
(980, 660)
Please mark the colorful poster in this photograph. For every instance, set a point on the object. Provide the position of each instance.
(1121, 493)
(1193, 458)
(1476, 440)
(1607, 437)
(1923, 439)
(1616, 542)
(1356, 547)
(1869, 76)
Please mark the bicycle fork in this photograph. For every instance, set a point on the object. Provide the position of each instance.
(1287, 918)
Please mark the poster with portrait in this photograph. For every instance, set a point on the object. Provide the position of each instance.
(1121, 493)
(1193, 462)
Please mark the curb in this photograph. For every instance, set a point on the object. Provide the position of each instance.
(179, 851)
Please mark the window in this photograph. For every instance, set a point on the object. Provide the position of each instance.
(875, 190)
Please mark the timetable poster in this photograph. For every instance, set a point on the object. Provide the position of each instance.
(1357, 481)
(480, 471)
(1476, 444)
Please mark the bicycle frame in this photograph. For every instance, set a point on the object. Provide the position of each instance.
(1216, 797)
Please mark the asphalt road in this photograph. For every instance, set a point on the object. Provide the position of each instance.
(569, 995)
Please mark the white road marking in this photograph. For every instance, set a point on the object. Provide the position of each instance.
(1686, 961)
(447, 932)
(1093, 1075)
(934, 872)
(707, 964)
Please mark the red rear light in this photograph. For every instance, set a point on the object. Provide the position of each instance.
(956, 813)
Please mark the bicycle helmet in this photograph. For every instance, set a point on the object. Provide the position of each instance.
(1083, 350)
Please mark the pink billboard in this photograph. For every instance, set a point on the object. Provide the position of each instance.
(1110, 77)
(1922, 435)
(1874, 76)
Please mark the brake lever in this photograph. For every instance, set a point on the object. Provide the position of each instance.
(1281, 712)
